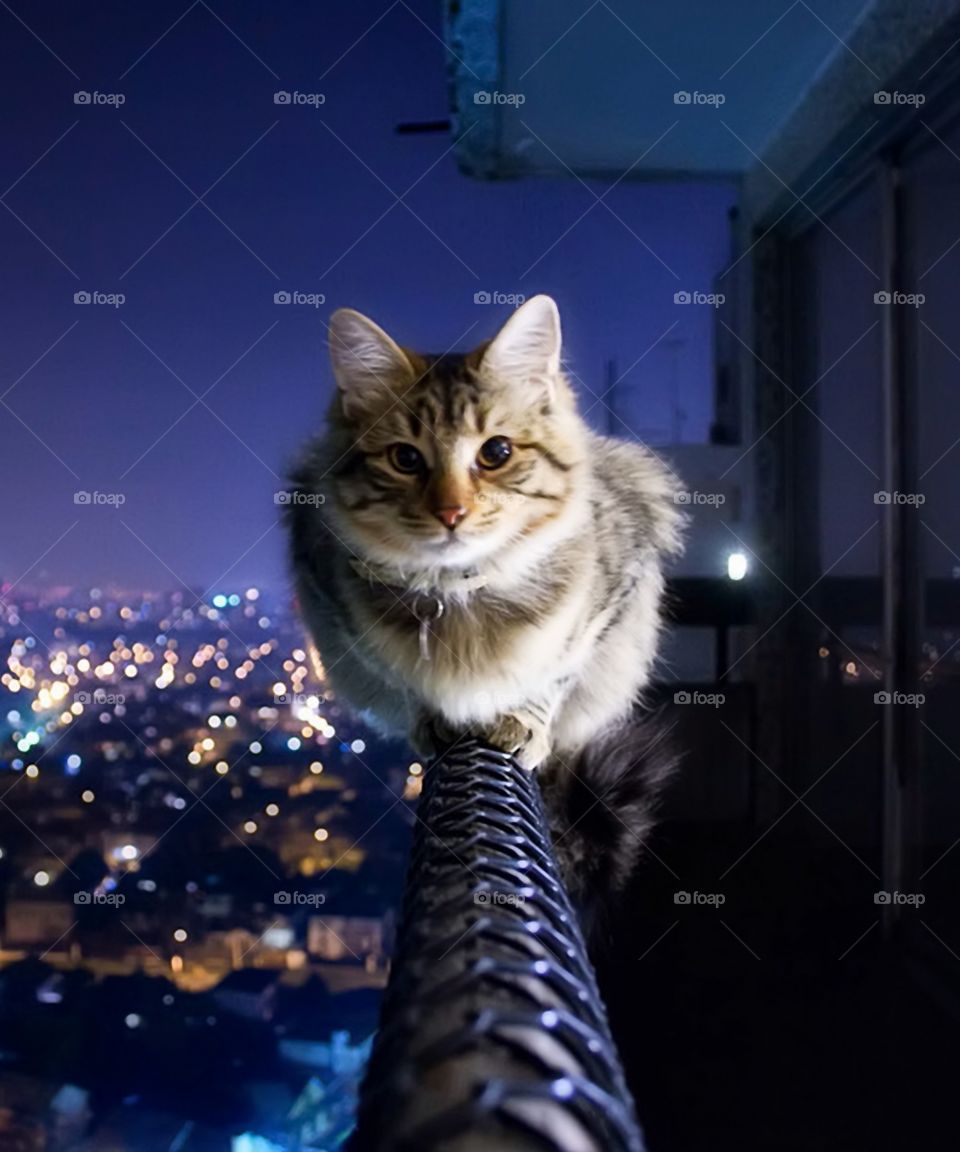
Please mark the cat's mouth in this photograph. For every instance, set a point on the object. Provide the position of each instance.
(449, 542)
(453, 548)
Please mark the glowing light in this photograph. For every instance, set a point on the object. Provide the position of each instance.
(358, 746)
(272, 810)
(321, 834)
(132, 1020)
(219, 601)
(87, 796)
(180, 935)
(129, 852)
(32, 771)
(316, 767)
(293, 743)
(73, 762)
(250, 827)
(222, 768)
(41, 878)
(563, 1088)
(737, 565)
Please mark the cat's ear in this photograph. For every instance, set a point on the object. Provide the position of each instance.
(367, 364)
(526, 350)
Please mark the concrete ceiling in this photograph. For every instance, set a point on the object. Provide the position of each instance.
(592, 85)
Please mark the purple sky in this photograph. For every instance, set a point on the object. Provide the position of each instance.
(298, 193)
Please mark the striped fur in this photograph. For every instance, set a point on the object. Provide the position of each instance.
(541, 608)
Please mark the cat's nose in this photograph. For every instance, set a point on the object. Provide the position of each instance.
(451, 515)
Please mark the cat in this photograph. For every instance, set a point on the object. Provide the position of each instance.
(471, 558)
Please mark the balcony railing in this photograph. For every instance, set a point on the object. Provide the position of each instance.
(492, 1033)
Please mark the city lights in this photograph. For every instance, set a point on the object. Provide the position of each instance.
(153, 701)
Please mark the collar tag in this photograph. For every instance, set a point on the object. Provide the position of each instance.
(425, 621)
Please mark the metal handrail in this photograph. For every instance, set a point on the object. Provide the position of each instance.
(492, 1032)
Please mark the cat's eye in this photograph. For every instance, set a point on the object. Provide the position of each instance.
(495, 452)
(405, 458)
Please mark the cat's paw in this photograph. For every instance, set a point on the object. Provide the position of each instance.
(521, 737)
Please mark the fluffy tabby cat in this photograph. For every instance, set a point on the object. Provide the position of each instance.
(482, 562)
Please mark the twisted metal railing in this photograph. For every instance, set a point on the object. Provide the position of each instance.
(492, 1032)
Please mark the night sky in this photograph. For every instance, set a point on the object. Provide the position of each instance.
(103, 198)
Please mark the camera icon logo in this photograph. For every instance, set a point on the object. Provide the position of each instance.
(681, 297)
(881, 98)
(82, 298)
(681, 98)
(81, 898)
(882, 898)
(281, 297)
(681, 898)
(881, 497)
(882, 298)
(282, 898)
(281, 98)
(82, 498)
(682, 498)
(682, 698)
(481, 898)
(481, 98)
(283, 497)
(882, 698)
(82, 98)
(481, 297)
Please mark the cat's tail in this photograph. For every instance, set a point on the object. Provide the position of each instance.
(602, 807)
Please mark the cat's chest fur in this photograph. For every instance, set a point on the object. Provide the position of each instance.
(485, 646)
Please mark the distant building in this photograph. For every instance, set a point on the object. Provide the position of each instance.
(250, 993)
(359, 938)
(30, 923)
(717, 502)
